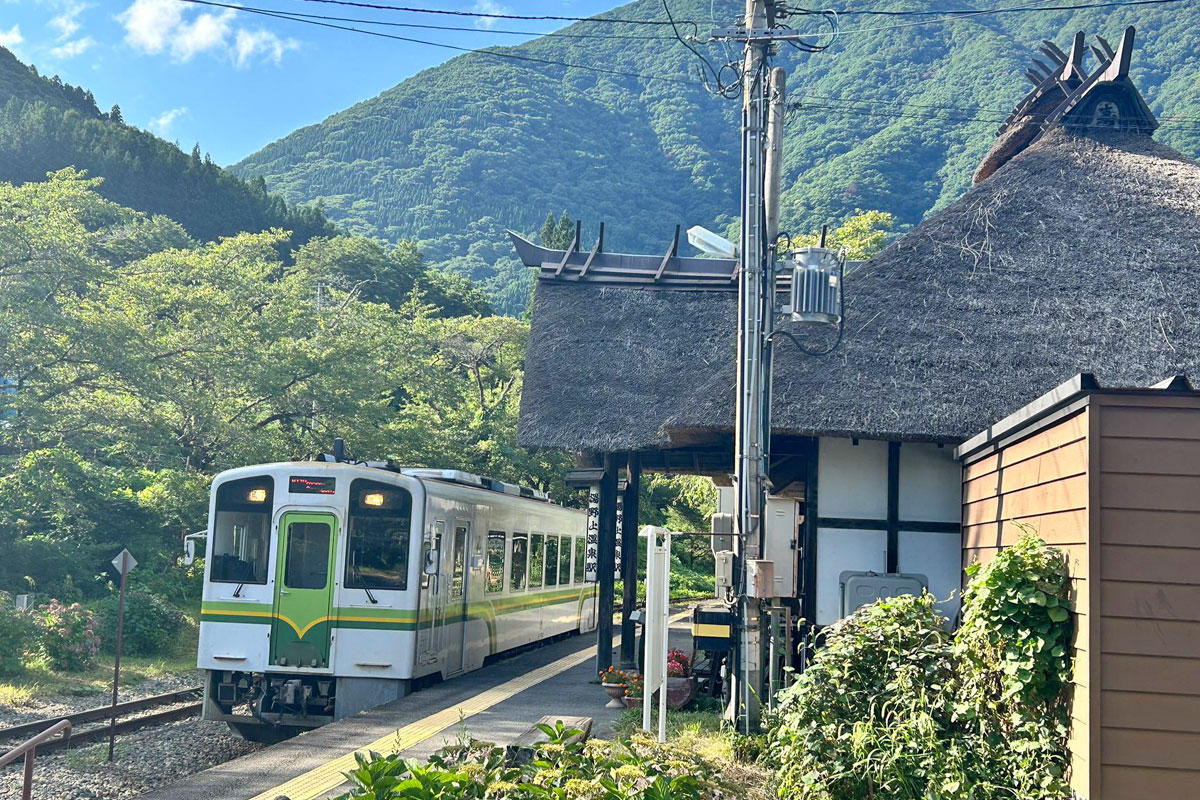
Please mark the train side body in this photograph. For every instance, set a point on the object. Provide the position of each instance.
(331, 587)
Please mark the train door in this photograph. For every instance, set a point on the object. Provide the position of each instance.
(431, 607)
(300, 628)
(454, 611)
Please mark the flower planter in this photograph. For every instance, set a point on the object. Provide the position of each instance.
(680, 691)
(615, 692)
(633, 702)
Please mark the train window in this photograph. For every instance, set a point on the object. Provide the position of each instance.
(579, 576)
(241, 531)
(306, 565)
(552, 561)
(520, 555)
(380, 531)
(460, 558)
(495, 561)
(537, 560)
(564, 561)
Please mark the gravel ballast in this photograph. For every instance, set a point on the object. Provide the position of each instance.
(145, 759)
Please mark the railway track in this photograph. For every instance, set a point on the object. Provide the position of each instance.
(184, 702)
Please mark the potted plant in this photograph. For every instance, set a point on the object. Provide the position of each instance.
(634, 689)
(681, 683)
(614, 682)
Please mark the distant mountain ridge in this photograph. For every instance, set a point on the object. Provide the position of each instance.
(895, 116)
(46, 125)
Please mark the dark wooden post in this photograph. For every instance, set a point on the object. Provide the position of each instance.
(606, 559)
(629, 564)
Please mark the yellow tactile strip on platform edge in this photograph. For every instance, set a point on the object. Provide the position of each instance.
(330, 775)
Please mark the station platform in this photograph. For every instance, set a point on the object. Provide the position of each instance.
(496, 704)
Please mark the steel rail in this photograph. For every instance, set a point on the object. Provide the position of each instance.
(129, 706)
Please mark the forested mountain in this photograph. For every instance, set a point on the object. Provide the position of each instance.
(895, 116)
(46, 125)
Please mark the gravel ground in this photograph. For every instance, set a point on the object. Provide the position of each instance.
(54, 705)
(145, 760)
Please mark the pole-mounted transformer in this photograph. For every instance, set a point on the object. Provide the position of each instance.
(817, 277)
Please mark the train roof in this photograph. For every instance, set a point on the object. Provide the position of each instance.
(453, 476)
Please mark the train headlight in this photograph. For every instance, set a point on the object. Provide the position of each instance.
(373, 499)
(257, 496)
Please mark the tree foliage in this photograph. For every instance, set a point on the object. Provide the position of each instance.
(46, 125)
(141, 361)
(893, 118)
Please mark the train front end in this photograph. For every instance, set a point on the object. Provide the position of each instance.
(310, 606)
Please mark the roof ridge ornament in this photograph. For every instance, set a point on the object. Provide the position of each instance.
(1090, 104)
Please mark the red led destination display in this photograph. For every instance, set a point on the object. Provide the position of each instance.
(300, 484)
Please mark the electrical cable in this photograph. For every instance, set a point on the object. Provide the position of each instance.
(970, 14)
(486, 15)
(972, 119)
(426, 26)
(481, 51)
(717, 87)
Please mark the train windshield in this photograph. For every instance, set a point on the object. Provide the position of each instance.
(380, 529)
(241, 531)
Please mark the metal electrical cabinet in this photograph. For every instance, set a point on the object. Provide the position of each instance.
(781, 541)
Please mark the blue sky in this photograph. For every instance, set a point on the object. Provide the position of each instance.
(234, 81)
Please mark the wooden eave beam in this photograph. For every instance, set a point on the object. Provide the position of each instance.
(667, 258)
(567, 256)
(592, 255)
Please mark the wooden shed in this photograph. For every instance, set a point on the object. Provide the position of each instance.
(1111, 476)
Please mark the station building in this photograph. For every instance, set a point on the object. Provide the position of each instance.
(1070, 266)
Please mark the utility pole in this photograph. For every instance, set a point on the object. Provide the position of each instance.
(755, 317)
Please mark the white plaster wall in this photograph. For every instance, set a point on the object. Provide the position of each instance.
(852, 479)
(930, 483)
(937, 556)
(839, 550)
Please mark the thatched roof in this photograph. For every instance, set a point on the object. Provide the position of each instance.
(1078, 255)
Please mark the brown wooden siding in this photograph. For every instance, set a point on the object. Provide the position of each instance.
(1042, 482)
(1149, 596)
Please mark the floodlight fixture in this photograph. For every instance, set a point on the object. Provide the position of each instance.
(710, 243)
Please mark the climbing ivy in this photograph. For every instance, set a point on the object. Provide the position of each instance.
(894, 707)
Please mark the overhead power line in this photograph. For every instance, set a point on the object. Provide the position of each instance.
(484, 15)
(479, 51)
(972, 11)
(300, 16)
(953, 16)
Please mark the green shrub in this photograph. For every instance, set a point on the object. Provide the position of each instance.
(68, 635)
(895, 708)
(151, 626)
(630, 769)
(18, 634)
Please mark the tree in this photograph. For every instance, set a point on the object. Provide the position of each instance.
(115, 114)
(863, 234)
(558, 236)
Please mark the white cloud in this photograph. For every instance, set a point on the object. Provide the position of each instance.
(149, 24)
(205, 32)
(11, 37)
(488, 7)
(67, 23)
(162, 123)
(156, 26)
(72, 48)
(251, 43)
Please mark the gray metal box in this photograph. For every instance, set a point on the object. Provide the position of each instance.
(863, 588)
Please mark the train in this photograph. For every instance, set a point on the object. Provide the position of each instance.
(331, 587)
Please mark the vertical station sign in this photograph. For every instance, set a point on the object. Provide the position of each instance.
(592, 541)
(620, 528)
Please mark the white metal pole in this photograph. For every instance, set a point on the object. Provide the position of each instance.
(665, 561)
(648, 658)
